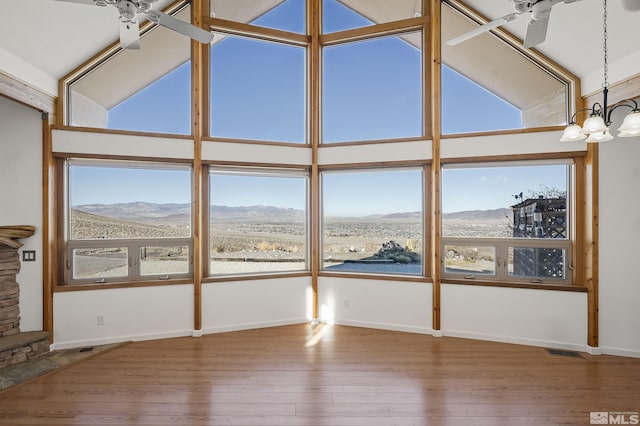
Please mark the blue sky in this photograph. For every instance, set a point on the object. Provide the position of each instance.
(371, 91)
(486, 188)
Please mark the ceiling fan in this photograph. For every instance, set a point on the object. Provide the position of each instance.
(129, 28)
(536, 30)
(539, 10)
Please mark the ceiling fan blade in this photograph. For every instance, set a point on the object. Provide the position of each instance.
(482, 29)
(180, 26)
(130, 35)
(536, 32)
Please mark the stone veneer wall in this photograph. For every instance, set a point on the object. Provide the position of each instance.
(15, 346)
(9, 291)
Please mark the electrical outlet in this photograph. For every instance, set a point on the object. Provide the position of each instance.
(28, 255)
(100, 320)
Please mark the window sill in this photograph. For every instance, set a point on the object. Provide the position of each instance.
(251, 277)
(128, 284)
(377, 277)
(541, 286)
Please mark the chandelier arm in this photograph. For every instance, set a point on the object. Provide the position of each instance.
(573, 117)
(598, 109)
(621, 104)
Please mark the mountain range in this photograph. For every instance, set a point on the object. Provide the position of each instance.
(176, 213)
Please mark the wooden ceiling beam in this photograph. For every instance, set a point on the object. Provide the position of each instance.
(26, 94)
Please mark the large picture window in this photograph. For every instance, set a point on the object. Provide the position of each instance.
(128, 221)
(372, 221)
(257, 221)
(372, 89)
(508, 222)
(257, 90)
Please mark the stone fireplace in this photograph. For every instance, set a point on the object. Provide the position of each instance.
(15, 346)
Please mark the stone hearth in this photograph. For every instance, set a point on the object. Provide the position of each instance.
(15, 346)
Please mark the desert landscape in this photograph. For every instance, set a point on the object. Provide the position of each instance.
(255, 239)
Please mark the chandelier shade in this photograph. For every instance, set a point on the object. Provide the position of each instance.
(594, 124)
(573, 132)
(603, 136)
(631, 125)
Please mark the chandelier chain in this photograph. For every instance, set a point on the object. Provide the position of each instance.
(605, 84)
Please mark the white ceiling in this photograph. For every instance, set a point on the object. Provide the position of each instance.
(575, 38)
(42, 40)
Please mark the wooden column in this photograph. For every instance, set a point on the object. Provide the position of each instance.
(433, 44)
(49, 251)
(199, 117)
(591, 243)
(313, 24)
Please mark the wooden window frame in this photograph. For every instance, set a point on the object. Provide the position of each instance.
(424, 169)
(255, 170)
(66, 245)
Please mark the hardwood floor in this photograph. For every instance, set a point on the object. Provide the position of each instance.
(326, 375)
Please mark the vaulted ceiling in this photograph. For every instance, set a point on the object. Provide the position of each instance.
(42, 40)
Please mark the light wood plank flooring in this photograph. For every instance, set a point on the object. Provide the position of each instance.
(326, 375)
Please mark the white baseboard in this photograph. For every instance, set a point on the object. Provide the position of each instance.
(619, 352)
(518, 341)
(385, 326)
(252, 325)
(118, 339)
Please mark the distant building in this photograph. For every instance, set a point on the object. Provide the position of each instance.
(539, 218)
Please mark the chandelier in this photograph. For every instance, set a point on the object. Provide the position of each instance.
(596, 127)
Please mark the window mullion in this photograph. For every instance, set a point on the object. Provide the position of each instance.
(134, 261)
(501, 261)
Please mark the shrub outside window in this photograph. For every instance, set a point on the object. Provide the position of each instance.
(257, 220)
(128, 221)
(507, 222)
(372, 221)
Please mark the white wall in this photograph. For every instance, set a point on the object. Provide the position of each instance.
(508, 144)
(379, 152)
(239, 305)
(21, 197)
(82, 142)
(547, 318)
(619, 243)
(389, 305)
(137, 313)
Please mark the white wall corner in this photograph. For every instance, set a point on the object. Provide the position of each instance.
(29, 74)
(594, 350)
